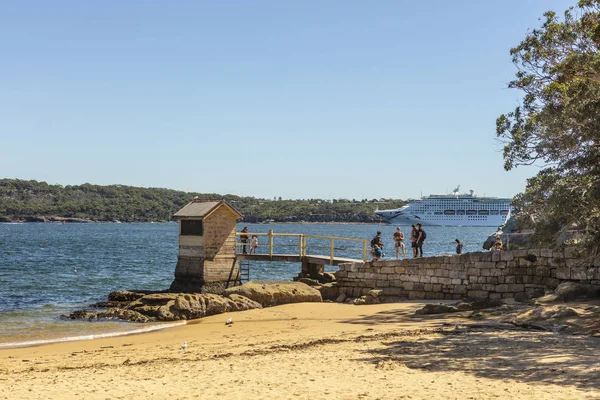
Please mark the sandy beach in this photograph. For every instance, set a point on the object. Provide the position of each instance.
(316, 351)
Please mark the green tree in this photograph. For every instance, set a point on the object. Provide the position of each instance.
(558, 123)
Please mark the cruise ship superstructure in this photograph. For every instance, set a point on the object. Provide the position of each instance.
(451, 210)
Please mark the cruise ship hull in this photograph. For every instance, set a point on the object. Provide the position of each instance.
(457, 220)
(451, 210)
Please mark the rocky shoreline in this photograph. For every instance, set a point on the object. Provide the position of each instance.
(550, 312)
(572, 308)
(140, 306)
(53, 218)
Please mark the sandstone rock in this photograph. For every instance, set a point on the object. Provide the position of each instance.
(477, 315)
(360, 301)
(158, 298)
(112, 313)
(82, 314)
(329, 291)
(125, 315)
(272, 294)
(169, 307)
(522, 298)
(542, 313)
(326, 277)
(478, 304)
(436, 309)
(547, 299)
(571, 291)
(341, 298)
(309, 281)
(192, 306)
(375, 296)
(125, 295)
(149, 311)
(111, 304)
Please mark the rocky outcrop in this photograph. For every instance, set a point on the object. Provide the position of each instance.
(478, 304)
(140, 307)
(276, 293)
(465, 305)
(520, 240)
(571, 291)
(436, 309)
(192, 306)
(324, 282)
(54, 218)
(329, 291)
(309, 281)
(121, 299)
(126, 295)
(111, 313)
(547, 313)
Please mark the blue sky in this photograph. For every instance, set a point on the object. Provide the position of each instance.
(342, 99)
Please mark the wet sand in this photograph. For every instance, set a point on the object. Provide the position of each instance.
(312, 350)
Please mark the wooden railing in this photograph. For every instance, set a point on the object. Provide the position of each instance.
(305, 245)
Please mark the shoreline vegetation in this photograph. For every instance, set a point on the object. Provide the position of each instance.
(34, 201)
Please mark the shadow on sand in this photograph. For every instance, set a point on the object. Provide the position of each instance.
(488, 352)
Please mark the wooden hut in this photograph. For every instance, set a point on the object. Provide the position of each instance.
(206, 261)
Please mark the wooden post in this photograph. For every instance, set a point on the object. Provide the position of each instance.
(365, 251)
(270, 242)
(300, 244)
(331, 250)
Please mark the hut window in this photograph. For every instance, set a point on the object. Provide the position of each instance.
(191, 227)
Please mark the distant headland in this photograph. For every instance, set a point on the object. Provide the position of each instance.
(34, 201)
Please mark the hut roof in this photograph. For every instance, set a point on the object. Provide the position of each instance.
(202, 209)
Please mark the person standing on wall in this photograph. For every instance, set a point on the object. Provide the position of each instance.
(399, 242)
(459, 246)
(414, 234)
(422, 235)
(244, 240)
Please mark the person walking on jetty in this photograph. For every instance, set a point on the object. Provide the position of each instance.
(376, 247)
(459, 246)
(422, 235)
(253, 244)
(399, 242)
(244, 240)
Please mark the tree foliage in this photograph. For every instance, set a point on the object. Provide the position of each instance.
(558, 123)
(32, 200)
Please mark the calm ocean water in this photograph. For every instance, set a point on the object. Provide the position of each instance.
(50, 269)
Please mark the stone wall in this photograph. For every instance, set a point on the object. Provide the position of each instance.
(485, 274)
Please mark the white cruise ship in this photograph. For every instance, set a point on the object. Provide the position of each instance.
(451, 210)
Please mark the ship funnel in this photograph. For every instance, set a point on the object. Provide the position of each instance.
(472, 192)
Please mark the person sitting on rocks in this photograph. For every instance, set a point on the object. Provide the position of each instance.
(459, 246)
(498, 245)
(377, 247)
